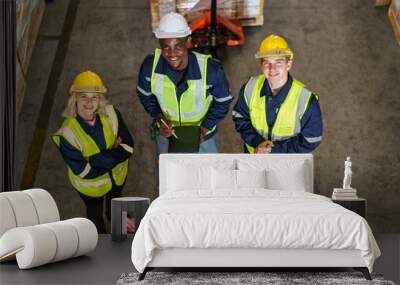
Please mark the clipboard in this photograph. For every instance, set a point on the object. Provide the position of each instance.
(187, 141)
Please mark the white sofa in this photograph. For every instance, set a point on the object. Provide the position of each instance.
(31, 231)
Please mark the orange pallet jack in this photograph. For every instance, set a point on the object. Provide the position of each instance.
(211, 30)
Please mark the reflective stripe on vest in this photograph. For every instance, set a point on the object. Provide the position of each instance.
(288, 120)
(194, 103)
(77, 137)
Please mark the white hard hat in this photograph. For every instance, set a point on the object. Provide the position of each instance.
(172, 25)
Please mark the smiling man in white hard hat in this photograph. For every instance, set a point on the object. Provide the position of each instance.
(275, 113)
(179, 87)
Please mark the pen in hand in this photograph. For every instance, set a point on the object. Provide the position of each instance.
(172, 130)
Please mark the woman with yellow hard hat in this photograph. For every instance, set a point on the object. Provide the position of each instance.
(95, 144)
(275, 113)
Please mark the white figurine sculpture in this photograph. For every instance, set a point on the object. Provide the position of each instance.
(347, 174)
(347, 192)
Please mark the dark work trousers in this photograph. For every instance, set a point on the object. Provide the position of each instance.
(94, 207)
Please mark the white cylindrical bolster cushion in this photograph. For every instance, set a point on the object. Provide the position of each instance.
(87, 235)
(7, 218)
(23, 208)
(37, 245)
(33, 246)
(66, 238)
(45, 205)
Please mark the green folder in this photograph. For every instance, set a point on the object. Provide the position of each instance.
(187, 141)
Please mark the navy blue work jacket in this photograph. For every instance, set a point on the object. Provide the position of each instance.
(311, 122)
(104, 161)
(217, 87)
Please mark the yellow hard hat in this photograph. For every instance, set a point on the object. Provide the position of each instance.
(274, 45)
(88, 81)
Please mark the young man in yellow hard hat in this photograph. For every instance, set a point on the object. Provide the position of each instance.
(95, 144)
(179, 87)
(275, 113)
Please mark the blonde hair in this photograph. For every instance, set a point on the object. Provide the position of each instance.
(70, 110)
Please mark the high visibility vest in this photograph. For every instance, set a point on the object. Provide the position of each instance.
(72, 132)
(193, 104)
(288, 120)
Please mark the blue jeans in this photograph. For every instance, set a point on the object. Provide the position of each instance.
(208, 146)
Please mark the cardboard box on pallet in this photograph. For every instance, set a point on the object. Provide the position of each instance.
(249, 12)
(158, 9)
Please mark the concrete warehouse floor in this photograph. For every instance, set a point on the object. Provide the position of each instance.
(345, 51)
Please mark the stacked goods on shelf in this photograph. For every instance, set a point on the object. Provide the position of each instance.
(192, 9)
(249, 12)
(382, 2)
(394, 16)
(344, 194)
(29, 15)
(158, 9)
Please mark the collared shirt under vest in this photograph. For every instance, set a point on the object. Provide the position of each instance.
(193, 104)
(288, 121)
(72, 132)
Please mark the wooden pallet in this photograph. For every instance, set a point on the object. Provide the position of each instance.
(395, 21)
(257, 21)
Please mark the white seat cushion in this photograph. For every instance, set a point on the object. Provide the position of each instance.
(33, 246)
(40, 244)
(87, 235)
(23, 208)
(45, 205)
(7, 218)
(31, 232)
(26, 208)
(67, 240)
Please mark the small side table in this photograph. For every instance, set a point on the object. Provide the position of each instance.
(358, 206)
(126, 214)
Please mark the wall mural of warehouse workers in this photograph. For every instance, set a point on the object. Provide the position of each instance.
(187, 95)
(275, 113)
(95, 145)
(185, 92)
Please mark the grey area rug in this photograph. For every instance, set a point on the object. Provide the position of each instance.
(232, 278)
